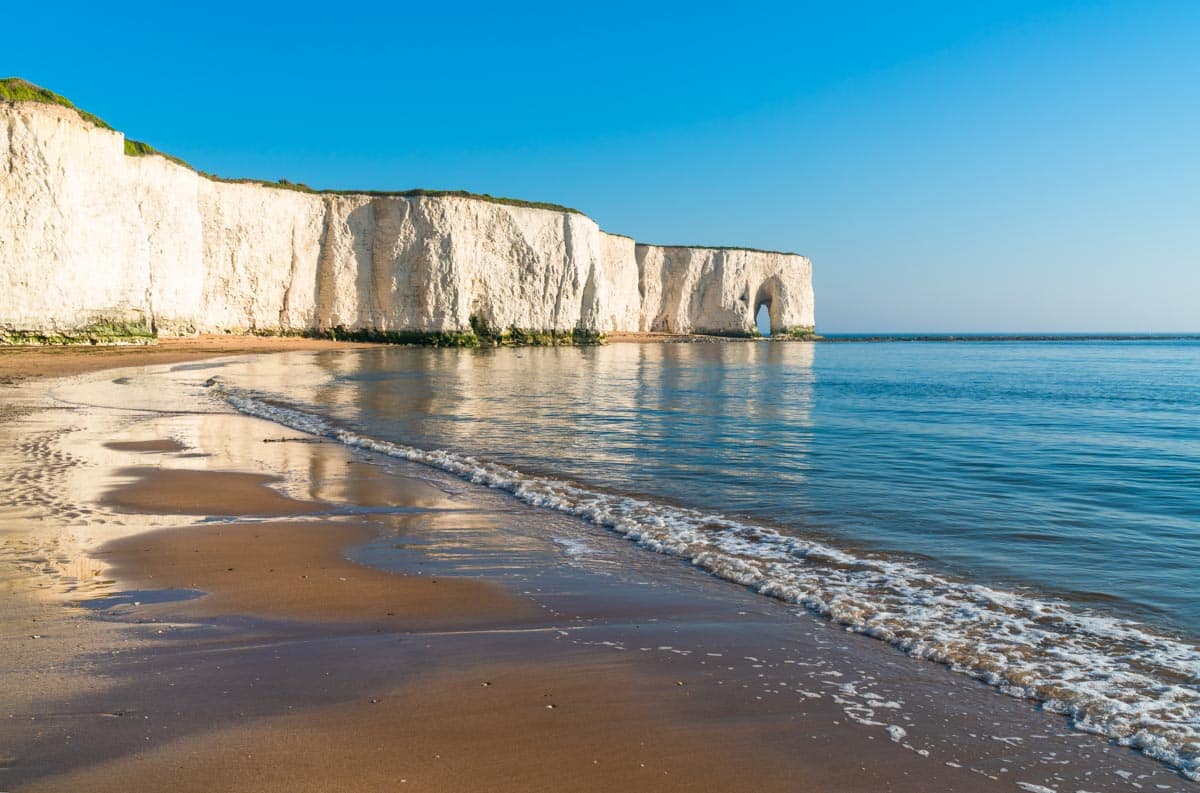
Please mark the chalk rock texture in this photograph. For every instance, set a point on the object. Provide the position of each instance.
(90, 234)
(720, 289)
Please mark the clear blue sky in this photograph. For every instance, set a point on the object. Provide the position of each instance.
(1014, 166)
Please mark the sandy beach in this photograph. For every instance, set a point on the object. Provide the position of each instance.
(199, 600)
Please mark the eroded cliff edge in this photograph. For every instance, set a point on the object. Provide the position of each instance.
(93, 238)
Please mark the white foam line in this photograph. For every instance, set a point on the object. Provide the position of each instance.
(1111, 677)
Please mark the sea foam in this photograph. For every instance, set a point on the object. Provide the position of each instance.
(1109, 676)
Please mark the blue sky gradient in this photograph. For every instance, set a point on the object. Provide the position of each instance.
(1019, 166)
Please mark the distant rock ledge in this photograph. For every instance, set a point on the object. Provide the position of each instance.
(104, 240)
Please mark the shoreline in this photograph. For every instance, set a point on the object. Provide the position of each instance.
(21, 363)
(702, 686)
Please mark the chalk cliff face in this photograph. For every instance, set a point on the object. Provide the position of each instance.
(720, 289)
(90, 234)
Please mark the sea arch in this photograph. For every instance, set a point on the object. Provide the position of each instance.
(766, 301)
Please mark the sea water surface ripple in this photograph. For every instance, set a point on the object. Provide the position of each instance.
(1026, 512)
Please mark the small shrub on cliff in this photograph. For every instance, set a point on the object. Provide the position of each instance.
(299, 187)
(136, 148)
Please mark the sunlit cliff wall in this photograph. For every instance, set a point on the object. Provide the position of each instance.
(89, 234)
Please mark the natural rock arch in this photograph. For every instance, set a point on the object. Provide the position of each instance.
(768, 296)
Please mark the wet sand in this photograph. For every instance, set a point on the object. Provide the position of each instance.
(21, 364)
(225, 613)
(295, 571)
(578, 724)
(187, 492)
(538, 717)
(18, 364)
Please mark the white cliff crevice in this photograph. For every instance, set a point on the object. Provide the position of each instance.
(87, 232)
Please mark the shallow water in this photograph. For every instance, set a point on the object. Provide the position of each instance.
(1026, 512)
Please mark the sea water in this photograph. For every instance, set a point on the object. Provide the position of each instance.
(1026, 512)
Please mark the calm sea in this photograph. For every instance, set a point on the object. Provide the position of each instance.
(1025, 512)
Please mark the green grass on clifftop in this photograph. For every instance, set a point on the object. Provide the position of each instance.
(136, 148)
(14, 89)
(300, 187)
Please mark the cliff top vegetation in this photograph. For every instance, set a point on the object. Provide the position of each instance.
(16, 89)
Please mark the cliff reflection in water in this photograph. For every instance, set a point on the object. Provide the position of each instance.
(638, 418)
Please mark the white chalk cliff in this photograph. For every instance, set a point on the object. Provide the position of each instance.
(90, 234)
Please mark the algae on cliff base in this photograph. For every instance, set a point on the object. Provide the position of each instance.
(480, 335)
(112, 332)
